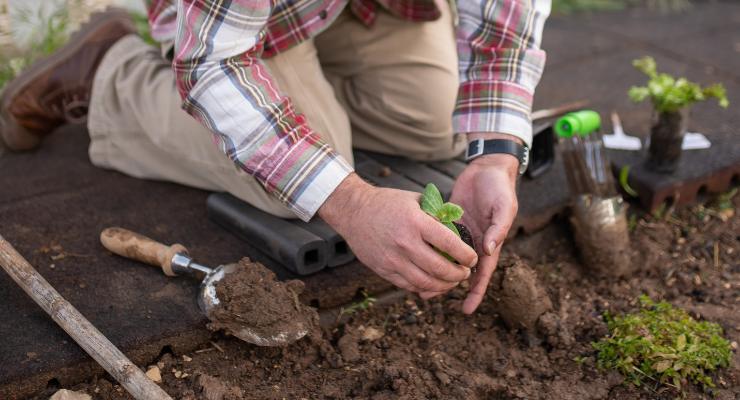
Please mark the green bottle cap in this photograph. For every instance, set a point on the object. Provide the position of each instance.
(581, 123)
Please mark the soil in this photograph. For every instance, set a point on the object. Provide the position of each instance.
(256, 307)
(418, 349)
(464, 234)
(602, 238)
(666, 139)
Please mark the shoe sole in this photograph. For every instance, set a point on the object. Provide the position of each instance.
(26, 140)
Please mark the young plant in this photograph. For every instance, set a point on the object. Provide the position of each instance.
(669, 94)
(446, 213)
(663, 344)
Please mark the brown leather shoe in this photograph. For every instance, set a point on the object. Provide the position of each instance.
(56, 89)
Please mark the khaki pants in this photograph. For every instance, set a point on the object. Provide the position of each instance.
(390, 89)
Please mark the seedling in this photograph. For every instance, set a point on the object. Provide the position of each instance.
(670, 94)
(445, 213)
(663, 344)
(671, 98)
(366, 302)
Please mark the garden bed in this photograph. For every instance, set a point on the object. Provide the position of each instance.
(428, 349)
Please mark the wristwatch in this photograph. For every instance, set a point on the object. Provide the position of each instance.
(480, 147)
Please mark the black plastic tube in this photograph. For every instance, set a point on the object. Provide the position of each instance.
(299, 250)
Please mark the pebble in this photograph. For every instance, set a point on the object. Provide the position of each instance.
(733, 344)
(410, 319)
(154, 373)
(371, 334)
(186, 358)
(64, 394)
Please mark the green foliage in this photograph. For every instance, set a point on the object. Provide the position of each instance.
(142, 28)
(45, 39)
(366, 302)
(446, 213)
(664, 344)
(572, 6)
(624, 174)
(724, 200)
(670, 94)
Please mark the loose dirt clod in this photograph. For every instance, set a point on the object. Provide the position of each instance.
(521, 298)
(251, 297)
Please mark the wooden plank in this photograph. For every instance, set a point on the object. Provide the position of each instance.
(382, 175)
(417, 172)
(451, 168)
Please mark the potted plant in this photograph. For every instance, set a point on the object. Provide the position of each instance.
(671, 98)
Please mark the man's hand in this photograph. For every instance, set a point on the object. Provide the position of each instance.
(486, 190)
(390, 234)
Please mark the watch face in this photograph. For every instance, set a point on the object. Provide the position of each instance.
(524, 162)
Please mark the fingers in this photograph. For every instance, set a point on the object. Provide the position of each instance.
(496, 233)
(429, 295)
(479, 281)
(445, 240)
(437, 265)
(423, 282)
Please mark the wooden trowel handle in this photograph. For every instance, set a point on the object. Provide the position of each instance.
(138, 247)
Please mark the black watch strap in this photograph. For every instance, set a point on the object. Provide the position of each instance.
(480, 147)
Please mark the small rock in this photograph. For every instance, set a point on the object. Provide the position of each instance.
(64, 394)
(733, 344)
(349, 348)
(154, 373)
(443, 378)
(178, 374)
(186, 358)
(371, 334)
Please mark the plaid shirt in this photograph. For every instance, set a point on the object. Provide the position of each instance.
(217, 61)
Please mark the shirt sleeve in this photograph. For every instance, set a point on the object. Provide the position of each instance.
(500, 64)
(226, 87)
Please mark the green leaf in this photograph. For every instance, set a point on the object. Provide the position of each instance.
(449, 213)
(670, 94)
(431, 200)
(681, 342)
(452, 227)
(662, 365)
(624, 174)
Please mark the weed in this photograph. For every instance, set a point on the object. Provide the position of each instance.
(632, 223)
(660, 212)
(663, 344)
(366, 302)
(624, 174)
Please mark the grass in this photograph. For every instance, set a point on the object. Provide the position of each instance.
(575, 6)
(663, 345)
(45, 39)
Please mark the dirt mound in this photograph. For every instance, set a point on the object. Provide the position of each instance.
(419, 349)
(254, 305)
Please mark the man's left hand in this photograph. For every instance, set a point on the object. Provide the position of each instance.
(486, 190)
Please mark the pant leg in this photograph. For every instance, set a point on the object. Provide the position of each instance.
(138, 128)
(398, 82)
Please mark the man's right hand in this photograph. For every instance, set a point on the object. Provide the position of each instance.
(391, 235)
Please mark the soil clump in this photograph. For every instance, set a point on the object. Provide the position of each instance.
(252, 298)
